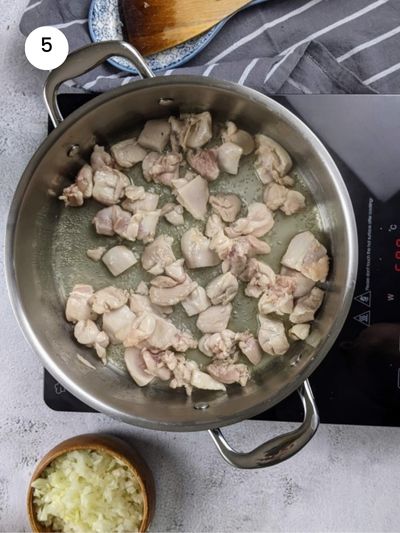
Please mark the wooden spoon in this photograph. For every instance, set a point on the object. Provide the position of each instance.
(155, 25)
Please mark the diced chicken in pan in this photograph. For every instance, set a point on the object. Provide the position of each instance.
(95, 254)
(272, 160)
(87, 333)
(272, 336)
(307, 306)
(147, 202)
(228, 155)
(213, 225)
(204, 162)
(196, 302)
(109, 185)
(196, 250)
(258, 222)
(242, 138)
(303, 285)
(118, 259)
(193, 196)
(128, 153)
(74, 195)
(307, 255)
(173, 213)
(155, 135)
(219, 345)
(222, 289)
(78, 305)
(161, 168)
(100, 159)
(277, 297)
(228, 373)
(191, 130)
(117, 323)
(259, 276)
(157, 255)
(214, 319)
(299, 332)
(227, 206)
(280, 197)
(108, 299)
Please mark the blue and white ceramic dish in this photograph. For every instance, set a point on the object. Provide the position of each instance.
(105, 24)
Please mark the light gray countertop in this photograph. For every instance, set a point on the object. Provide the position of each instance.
(346, 479)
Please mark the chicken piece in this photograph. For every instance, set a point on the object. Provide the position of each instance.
(147, 224)
(196, 302)
(219, 345)
(176, 271)
(272, 161)
(278, 297)
(142, 288)
(258, 222)
(124, 224)
(128, 153)
(204, 162)
(72, 196)
(163, 335)
(307, 255)
(104, 221)
(157, 255)
(235, 252)
(196, 250)
(272, 337)
(95, 254)
(303, 285)
(227, 206)
(201, 380)
(275, 195)
(213, 225)
(173, 213)
(161, 168)
(155, 365)
(135, 192)
(191, 131)
(155, 134)
(299, 332)
(118, 259)
(136, 367)
(147, 202)
(259, 277)
(228, 373)
(279, 197)
(306, 307)
(109, 185)
(249, 346)
(140, 303)
(193, 196)
(78, 306)
(100, 159)
(187, 374)
(75, 194)
(222, 289)
(214, 319)
(84, 181)
(117, 324)
(242, 138)
(108, 299)
(183, 341)
(172, 295)
(87, 333)
(140, 330)
(229, 155)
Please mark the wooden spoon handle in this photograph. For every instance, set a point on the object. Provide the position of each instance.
(156, 25)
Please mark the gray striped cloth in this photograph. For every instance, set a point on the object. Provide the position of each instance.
(281, 46)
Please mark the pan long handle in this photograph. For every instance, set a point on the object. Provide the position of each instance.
(279, 448)
(83, 60)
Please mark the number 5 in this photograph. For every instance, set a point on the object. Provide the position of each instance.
(46, 44)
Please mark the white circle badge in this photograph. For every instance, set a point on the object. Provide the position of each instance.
(46, 48)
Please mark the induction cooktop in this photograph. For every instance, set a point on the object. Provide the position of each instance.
(359, 380)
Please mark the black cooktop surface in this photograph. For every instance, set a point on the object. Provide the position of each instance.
(359, 380)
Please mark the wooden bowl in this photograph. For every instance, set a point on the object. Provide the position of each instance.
(102, 443)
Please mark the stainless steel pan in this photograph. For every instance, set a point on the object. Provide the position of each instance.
(32, 243)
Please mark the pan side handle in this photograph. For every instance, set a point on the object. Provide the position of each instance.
(81, 61)
(279, 448)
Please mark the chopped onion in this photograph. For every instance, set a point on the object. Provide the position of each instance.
(87, 491)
